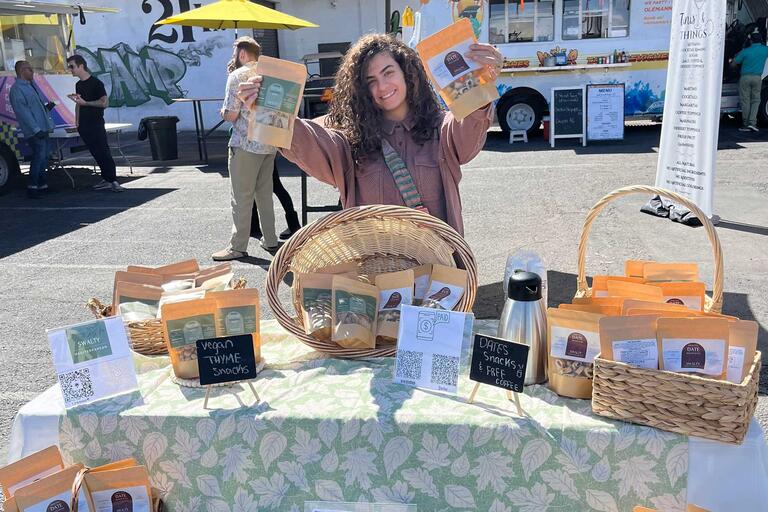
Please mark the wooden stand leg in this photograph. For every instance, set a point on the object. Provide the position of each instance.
(473, 393)
(207, 393)
(250, 384)
(514, 396)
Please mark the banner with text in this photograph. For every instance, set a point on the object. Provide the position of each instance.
(689, 131)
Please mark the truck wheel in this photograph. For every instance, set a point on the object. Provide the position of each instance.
(519, 112)
(9, 169)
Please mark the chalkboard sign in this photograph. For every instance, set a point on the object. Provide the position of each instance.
(499, 362)
(226, 359)
(567, 114)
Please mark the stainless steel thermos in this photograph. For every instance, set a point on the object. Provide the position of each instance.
(523, 320)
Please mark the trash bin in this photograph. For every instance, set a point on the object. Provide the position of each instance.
(162, 136)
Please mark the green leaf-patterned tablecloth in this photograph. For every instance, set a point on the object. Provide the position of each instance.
(339, 430)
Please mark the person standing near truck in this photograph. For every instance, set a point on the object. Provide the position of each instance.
(752, 60)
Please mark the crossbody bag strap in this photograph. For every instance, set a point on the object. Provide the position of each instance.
(403, 179)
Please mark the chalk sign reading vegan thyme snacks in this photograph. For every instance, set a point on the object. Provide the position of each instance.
(226, 359)
(498, 362)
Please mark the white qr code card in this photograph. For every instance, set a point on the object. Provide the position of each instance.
(429, 347)
(92, 360)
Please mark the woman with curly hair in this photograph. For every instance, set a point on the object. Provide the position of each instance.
(383, 106)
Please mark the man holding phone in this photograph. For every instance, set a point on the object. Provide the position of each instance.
(91, 100)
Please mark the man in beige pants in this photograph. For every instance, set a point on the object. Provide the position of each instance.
(250, 162)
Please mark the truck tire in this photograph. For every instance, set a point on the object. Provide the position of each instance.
(9, 169)
(520, 112)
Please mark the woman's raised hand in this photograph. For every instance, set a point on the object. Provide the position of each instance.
(486, 55)
(248, 91)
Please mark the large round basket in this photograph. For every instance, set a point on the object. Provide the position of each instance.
(379, 239)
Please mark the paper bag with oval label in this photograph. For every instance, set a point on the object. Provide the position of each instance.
(133, 277)
(690, 294)
(634, 291)
(634, 268)
(183, 324)
(355, 308)
(237, 313)
(30, 469)
(593, 308)
(315, 292)
(655, 272)
(395, 290)
(52, 493)
(446, 287)
(137, 302)
(742, 343)
(600, 283)
(572, 344)
(694, 345)
(630, 340)
(119, 490)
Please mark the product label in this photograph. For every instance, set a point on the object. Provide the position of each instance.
(129, 499)
(186, 331)
(312, 296)
(354, 303)
(451, 64)
(689, 302)
(12, 488)
(88, 341)
(694, 355)
(59, 503)
(446, 295)
(239, 320)
(279, 94)
(601, 293)
(568, 343)
(642, 353)
(735, 364)
(393, 299)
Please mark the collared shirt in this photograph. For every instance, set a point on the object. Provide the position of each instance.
(239, 137)
(752, 59)
(28, 106)
(435, 165)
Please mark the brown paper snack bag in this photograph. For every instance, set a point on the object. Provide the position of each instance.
(52, 493)
(395, 289)
(421, 276)
(593, 308)
(183, 324)
(137, 301)
(133, 277)
(215, 278)
(572, 344)
(742, 343)
(316, 296)
(601, 301)
(635, 291)
(180, 267)
(273, 114)
(661, 312)
(355, 305)
(655, 272)
(33, 467)
(463, 84)
(600, 283)
(634, 268)
(690, 295)
(647, 304)
(9, 505)
(631, 340)
(237, 313)
(694, 345)
(446, 287)
(119, 490)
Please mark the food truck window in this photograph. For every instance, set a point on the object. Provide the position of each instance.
(593, 19)
(38, 38)
(517, 21)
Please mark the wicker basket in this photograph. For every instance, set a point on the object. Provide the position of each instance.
(677, 402)
(146, 335)
(380, 239)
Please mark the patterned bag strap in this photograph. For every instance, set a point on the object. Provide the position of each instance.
(403, 179)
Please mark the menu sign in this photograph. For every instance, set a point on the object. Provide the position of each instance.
(499, 363)
(605, 112)
(226, 359)
(567, 114)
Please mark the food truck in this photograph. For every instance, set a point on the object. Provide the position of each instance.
(564, 43)
(41, 33)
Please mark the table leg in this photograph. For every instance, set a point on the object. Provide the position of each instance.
(197, 130)
(120, 150)
(202, 131)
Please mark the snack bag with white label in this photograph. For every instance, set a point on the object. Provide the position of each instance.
(395, 290)
(30, 469)
(630, 340)
(572, 344)
(52, 493)
(697, 345)
(742, 344)
(446, 287)
(690, 295)
(119, 490)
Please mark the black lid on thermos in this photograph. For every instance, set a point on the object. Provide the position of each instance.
(524, 286)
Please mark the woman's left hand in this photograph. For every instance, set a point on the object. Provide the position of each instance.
(486, 55)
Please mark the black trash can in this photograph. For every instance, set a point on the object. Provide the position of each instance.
(162, 136)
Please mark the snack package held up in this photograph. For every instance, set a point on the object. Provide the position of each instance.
(421, 275)
(29, 469)
(463, 84)
(742, 343)
(274, 113)
(593, 308)
(395, 290)
(52, 493)
(630, 339)
(183, 324)
(137, 301)
(694, 345)
(355, 307)
(690, 295)
(316, 294)
(635, 291)
(654, 272)
(572, 344)
(600, 283)
(446, 287)
(119, 490)
(634, 268)
(133, 277)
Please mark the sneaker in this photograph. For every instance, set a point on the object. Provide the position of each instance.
(115, 187)
(269, 249)
(753, 128)
(227, 255)
(102, 185)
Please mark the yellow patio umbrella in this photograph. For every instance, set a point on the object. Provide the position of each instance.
(236, 14)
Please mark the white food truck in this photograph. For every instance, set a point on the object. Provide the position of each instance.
(559, 43)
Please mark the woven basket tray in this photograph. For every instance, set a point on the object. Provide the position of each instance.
(677, 402)
(380, 239)
(146, 335)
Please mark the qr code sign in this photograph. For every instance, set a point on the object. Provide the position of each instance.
(409, 364)
(445, 370)
(76, 386)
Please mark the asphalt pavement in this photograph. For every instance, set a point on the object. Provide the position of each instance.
(59, 251)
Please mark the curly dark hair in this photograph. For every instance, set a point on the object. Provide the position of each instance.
(352, 109)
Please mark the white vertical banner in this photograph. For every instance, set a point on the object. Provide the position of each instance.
(691, 123)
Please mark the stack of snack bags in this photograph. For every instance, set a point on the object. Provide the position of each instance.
(652, 317)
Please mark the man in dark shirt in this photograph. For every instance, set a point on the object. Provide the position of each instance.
(91, 99)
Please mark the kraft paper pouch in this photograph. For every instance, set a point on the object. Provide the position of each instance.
(355, 307)
(119, 490)
(316, 294)
(600, 283)
(654, 272)
(600, 301)
(215, 278)
(648, 304)
(668, 313)
(690, 295)
(52, 493)
(137, 301)
(631, 340)
(572, 344)
(133, 277)
(180, 296)
(694, 345)
(395, 289)
(347, 267)
(635, 291)
(29, 469)
(593, 308)
(421, 275)
(238, 313)
(274, 113)
(463, 84)
(180, 267)
(446, 287)
(118, 464)
(634, 268)
(176, 285)
(183, 324)
(9, 505)
(742, 343)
